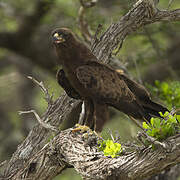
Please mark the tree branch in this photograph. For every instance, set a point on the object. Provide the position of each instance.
(38, 137)
(142, 13)
(72, 149)
(83, 25)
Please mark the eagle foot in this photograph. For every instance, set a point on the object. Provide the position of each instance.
(82, 129)
(85, 130)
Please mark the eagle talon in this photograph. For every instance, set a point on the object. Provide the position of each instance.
(81, 128)
(85, 130)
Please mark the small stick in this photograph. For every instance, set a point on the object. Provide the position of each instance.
(154, 141)
(48, 98)
(134, 120)
(169, 4)
(43, 124)
(110, 132)
(82, 21)
(82, 114)
(3, 163)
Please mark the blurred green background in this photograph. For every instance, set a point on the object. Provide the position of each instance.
(151, 53)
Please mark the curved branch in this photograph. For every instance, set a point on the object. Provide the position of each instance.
(72, 149)
(82, 21)
(173, 15)
(143, 13)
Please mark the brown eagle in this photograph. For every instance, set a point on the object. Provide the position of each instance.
(100, 86)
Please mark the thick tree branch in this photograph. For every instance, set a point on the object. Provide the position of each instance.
(38, 137)
(72, 149)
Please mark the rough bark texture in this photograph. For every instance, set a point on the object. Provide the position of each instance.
(72, 149)
(35, 158)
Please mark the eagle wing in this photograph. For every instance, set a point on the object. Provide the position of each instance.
(103, 83)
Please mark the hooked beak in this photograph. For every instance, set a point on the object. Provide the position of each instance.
(58, 38)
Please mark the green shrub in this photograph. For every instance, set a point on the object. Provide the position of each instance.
(168, 92)
(110, 148)
(163, 128)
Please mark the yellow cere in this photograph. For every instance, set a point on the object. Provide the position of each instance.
(56, 35)
(59, 38)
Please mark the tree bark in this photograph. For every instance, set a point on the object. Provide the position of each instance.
(73, 149)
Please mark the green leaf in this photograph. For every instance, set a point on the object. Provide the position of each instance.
(146, 126)
(157, 122)
(161, 129)
(161, 114)
(152, 121)
(178, 118)
(166, 114)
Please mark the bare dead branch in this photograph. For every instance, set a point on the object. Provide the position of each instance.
(3, 163)
(43, 124)
(169, 4)
(95, 38)
(48, 98)
(83, 24)
(136, 122)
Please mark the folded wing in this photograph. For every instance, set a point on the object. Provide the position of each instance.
(103, 83)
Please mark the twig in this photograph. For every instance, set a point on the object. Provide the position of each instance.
(153, 140)
(137, 123)
(48, 98)
(43, 124)
(3, 163)
(82, 114)
(140, 139)
(82, 21)
(117, 137)
(119, 47)
(110, 132)
(169, 4)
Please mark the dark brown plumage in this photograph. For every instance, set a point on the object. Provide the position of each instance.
(65, 84)
(98, 84)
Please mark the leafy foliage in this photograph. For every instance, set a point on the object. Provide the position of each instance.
(110, 148)
(169, 92)
(161, 129)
